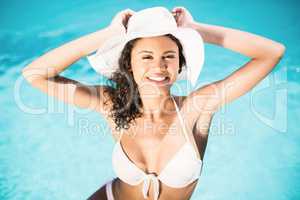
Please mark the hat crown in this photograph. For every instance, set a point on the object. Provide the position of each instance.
(151, 20)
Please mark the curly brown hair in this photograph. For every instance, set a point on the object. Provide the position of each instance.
(125, 96)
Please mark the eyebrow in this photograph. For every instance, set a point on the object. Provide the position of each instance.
(145, 51)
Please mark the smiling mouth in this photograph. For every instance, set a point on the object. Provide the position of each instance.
(159, 80)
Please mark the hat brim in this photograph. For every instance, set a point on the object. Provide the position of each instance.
(105, 60)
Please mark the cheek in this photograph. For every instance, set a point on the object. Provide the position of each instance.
(138, 70)
(174, 66)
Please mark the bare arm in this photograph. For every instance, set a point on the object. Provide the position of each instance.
(43, 73)
(264, 54)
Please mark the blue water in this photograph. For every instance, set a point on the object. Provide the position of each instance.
(49, 150)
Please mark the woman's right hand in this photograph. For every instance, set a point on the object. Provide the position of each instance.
(120, 20)
(182, 16)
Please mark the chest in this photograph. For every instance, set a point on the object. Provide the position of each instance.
(150, 146)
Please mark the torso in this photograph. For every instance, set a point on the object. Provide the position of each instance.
(148, 147)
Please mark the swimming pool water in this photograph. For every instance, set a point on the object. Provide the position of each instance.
(49, 150)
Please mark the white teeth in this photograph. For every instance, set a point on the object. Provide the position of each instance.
(157, 78)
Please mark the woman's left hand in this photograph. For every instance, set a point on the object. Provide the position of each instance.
(182, 16)
(120, 20)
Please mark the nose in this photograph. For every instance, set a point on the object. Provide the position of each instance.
(161, 63)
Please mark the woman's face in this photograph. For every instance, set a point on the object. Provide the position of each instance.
(155, 61)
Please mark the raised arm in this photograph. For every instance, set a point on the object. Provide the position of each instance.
(43, 73)
(264, 54)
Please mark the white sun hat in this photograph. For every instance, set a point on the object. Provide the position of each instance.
(155, 21)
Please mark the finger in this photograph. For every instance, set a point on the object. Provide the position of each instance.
(126, 15)
(129, 14)
(178, 9)
(125, 12)
(128, 11)
(177, 12)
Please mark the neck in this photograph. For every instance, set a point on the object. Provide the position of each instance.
(155, 107)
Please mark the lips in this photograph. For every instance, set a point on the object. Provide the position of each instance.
(158, 80)
(161, 78)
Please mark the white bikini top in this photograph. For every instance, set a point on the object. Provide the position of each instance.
(184, 167)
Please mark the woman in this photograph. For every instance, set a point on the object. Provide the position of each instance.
(141, 104)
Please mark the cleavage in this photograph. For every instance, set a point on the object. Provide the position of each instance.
(152, 154)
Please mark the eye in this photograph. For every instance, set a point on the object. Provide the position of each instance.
(169, 56)
(146, 57)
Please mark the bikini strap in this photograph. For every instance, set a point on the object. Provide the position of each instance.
(181, 121)
(121, 134)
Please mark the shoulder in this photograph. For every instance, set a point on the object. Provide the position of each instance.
(198, 103)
